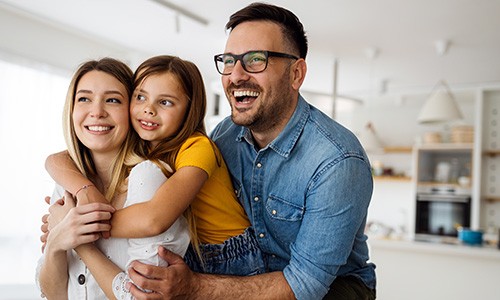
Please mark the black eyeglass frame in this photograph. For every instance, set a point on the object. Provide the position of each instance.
(239, 57)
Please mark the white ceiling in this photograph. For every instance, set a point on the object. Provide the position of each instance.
(404, 32)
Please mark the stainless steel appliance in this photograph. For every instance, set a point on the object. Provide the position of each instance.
(440, 211)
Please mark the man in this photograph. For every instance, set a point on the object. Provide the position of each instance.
(303, 179)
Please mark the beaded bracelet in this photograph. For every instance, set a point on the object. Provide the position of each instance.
(83, 188)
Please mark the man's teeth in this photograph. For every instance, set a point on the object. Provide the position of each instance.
(246, 94)
(99, 128)
(148, 123)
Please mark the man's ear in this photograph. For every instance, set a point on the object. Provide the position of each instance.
(299, 70)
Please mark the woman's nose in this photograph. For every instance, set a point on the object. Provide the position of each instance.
(98, 111)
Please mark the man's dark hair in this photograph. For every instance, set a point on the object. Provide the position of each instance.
(292, 28)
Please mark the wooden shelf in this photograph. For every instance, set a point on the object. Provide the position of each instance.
(446, 146)
(398, 149)
(491, 153)
(492, 198)
(392, 178)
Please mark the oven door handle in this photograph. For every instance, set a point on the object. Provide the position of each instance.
(443, 198)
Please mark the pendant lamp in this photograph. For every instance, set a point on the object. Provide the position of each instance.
(440, 106)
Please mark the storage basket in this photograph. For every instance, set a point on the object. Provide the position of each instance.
(462, 134)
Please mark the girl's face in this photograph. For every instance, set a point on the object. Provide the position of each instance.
(158, 107)
(101, 112)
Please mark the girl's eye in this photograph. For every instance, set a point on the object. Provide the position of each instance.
(166, 102)
(141, 98)
(113, 100)
(83, 99)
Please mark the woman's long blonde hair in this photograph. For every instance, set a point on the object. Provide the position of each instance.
(80, 154)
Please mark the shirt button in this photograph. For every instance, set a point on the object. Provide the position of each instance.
(259, 165)
(81, 279)
(262, 235)
(274, 211)
(256, 198)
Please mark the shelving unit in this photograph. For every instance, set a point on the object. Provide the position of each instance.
(488, 159)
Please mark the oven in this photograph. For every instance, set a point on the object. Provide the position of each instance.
(440, 212)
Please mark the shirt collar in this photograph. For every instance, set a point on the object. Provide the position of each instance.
(286, 140)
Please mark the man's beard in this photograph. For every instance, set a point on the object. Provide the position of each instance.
(266, 117)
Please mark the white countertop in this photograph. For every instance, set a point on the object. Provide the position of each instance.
(485, 251)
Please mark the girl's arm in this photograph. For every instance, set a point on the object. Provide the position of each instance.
(63, 170)
(153, 217)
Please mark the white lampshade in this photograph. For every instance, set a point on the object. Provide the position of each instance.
(440, 107)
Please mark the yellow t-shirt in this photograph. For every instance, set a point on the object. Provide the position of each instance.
(217, 211)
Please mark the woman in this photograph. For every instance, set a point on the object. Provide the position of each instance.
(99, 140)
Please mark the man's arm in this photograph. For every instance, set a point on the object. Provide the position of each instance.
(178, 281)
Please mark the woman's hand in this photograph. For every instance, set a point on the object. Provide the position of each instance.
(71, 226)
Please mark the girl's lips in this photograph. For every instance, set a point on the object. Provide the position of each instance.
(147, 125)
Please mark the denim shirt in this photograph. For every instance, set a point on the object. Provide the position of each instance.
(307, 195)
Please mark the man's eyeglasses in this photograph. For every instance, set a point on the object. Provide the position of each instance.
(251, 61)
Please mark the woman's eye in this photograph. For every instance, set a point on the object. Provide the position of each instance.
(83, 99)
(113, 100)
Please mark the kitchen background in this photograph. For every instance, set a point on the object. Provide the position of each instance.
(372, 66)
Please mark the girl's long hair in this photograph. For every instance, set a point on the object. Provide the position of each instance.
(191, 81)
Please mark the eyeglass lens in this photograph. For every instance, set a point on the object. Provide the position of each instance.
(252, 62)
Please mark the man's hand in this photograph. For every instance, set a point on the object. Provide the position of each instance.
(176, 281)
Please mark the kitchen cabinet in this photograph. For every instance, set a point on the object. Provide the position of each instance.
(416, 270)
(442, 190)
(443, 164)
(480, 161)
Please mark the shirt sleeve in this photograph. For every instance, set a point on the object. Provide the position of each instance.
(336, 208)
(198, 151)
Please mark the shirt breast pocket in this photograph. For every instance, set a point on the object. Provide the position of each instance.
(284, 218)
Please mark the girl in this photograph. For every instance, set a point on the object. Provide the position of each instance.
(167, 111)
(98, 137)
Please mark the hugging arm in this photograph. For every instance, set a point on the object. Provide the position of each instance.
(63, 170)
(153, 217)
(177, 280)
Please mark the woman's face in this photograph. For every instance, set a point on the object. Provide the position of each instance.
(101, 112)
(158, 107)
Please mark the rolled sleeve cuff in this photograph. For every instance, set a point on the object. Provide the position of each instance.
(304, 285)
